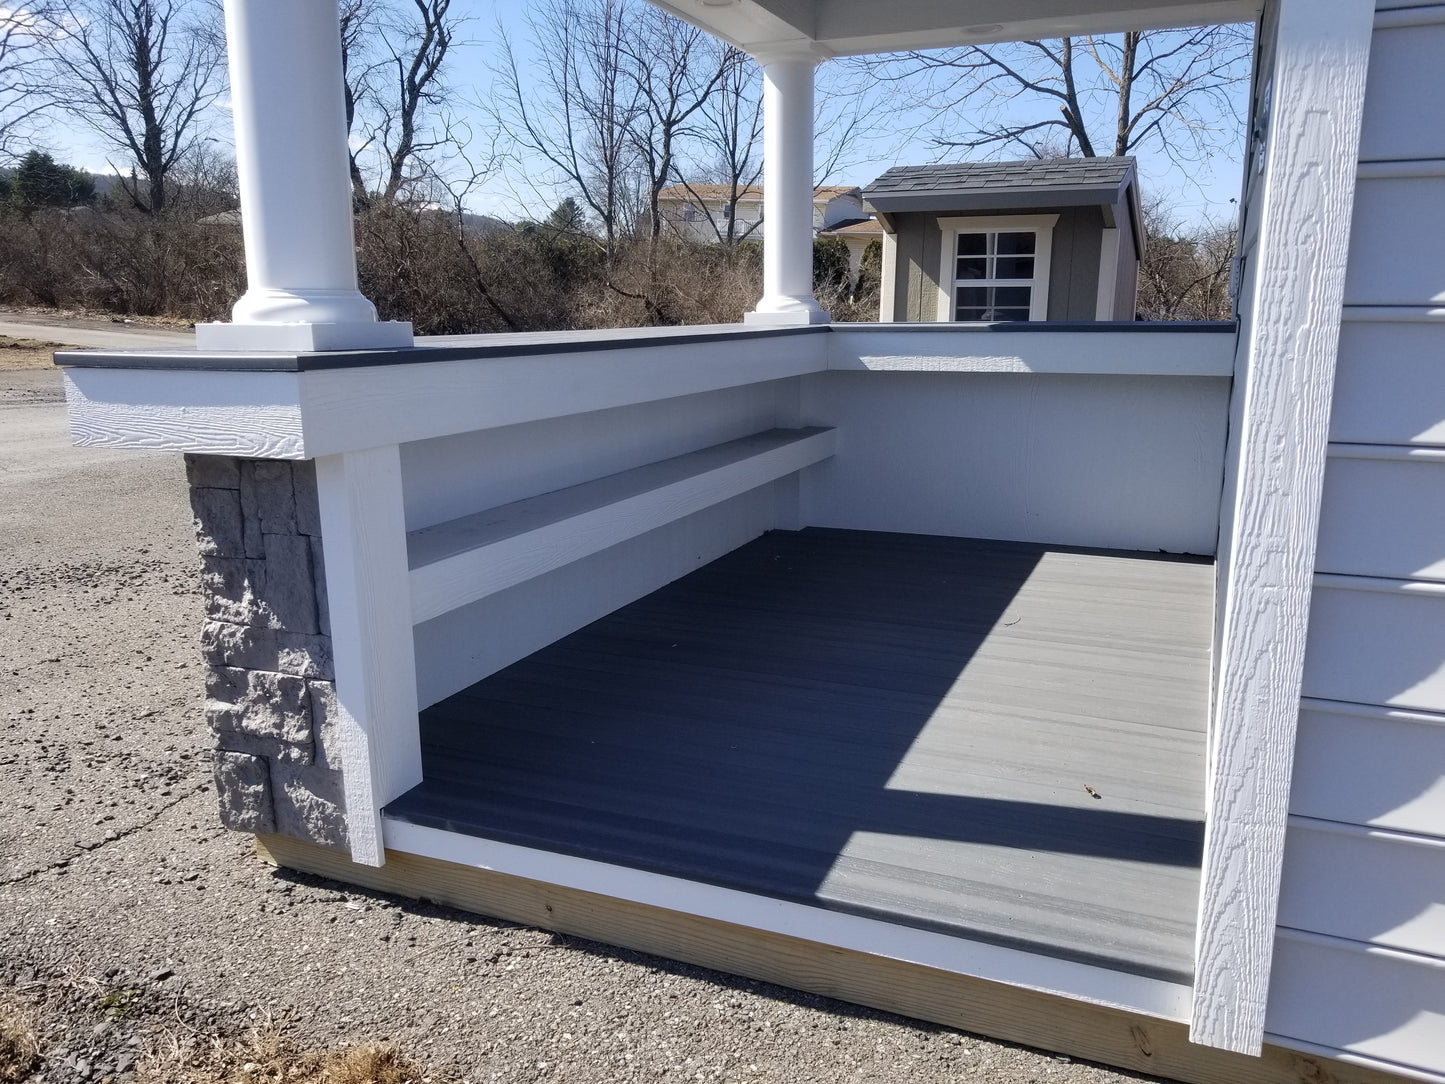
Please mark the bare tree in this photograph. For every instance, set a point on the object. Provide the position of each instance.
(1185, 272)
(21, 100)
(1177, 90)
(141, 74)
(675, 73)
(394, 59)
(578, 106)
(727, 142)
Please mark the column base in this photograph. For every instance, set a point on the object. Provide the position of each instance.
(305, 338)
(789, 318)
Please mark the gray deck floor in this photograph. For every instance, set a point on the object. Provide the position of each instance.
(996, 740)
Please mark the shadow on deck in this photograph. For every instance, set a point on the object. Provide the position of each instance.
(995, 740)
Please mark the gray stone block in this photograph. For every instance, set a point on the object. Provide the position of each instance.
(309, 804)
(233, 589)
(318, 579)
(267, 495)
(213, 471)
(271, 748)
(243, 791)
(308, 505)
(290, 591)
(325, 723)
(259, 704)
(219, 532)
(254, 648)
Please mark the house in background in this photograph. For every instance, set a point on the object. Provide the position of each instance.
(1054, 239)
(699, 212)
(857, 235)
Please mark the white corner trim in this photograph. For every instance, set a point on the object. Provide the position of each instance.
(1285, 377)
(888, 288)
(1064, 978)
(368, 593)
(950, 228)
(1108, 274)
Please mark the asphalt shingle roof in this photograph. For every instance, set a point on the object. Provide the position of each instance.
(1033, 175)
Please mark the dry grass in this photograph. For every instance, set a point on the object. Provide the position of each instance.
(264, 1057)
(19, 1045)
(25, 354)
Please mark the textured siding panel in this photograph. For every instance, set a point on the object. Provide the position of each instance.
(1375, 1002)
(1370, 766)
(1407, 84)
(1397, 242)
(1394, 896)
(1390, 383)
(1377, 647)
(1383, 517)
(444, 478)
(1119, 462)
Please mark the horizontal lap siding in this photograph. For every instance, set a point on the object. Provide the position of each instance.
(1360, 963)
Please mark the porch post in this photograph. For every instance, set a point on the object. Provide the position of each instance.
(292, 165)
(787, 192)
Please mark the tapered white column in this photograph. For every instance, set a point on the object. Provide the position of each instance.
(787, 192)
(293, 172)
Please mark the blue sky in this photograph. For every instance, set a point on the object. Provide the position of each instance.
(1197, 190)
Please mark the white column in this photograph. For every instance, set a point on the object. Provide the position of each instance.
(292, 166)
(787, 192)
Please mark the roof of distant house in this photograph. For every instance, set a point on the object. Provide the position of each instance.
(861, 227)
(749, 192)
(974, 185)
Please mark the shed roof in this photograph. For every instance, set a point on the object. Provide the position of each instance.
(977, 185)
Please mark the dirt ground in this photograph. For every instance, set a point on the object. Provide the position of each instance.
(138, 938)
(17, 354)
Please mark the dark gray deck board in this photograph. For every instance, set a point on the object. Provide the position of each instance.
(891, 725)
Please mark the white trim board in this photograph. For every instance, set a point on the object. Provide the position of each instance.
(256, 415)
(1065, 978)
(460, 561)
(964, 348)
(1041, 226)
(1288, 345)
(364, 546)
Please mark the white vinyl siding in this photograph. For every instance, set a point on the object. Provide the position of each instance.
(995, 268)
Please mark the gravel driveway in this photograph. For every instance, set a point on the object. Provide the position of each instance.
(129, 920)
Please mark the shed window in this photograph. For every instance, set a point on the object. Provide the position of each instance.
(995, 269)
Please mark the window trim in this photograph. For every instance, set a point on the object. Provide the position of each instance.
(1042, 226)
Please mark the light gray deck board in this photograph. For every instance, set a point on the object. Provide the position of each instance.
(892, 725)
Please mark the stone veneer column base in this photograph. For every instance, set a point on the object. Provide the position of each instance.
(270, 697)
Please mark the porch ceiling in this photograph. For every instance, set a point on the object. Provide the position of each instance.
(850, 27)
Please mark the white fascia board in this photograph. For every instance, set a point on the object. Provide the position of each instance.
(213, 412)
(348, 409)
(1063, 978)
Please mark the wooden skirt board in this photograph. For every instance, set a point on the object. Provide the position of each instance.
(998, 741)
(1109, 1036)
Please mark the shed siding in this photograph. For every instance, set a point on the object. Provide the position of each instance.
(1360, 963)
(1073, 272)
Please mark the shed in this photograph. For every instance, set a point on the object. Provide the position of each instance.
(1050, 239)
(1078, 684)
